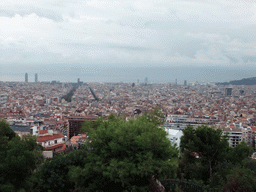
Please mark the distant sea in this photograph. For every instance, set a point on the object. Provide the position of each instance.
(125, 74)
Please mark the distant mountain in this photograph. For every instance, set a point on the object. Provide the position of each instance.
(245, 81)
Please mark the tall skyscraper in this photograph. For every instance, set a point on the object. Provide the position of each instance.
(36, 78)
(146, 80)
(176, 82)
(228, 91)
(185, 83)
(26, 77)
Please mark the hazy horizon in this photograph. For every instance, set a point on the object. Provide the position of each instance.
(102, 73)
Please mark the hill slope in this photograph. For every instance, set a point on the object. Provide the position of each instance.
(245, 81)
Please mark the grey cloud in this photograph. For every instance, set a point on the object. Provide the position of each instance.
(41, 12)
(187, 47)
(232, 59)
(130, 48)
(139, 31)
(49, 14)
(249, 59)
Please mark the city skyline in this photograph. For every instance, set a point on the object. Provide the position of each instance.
(65, 73)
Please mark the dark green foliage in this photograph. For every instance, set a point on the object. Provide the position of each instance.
(5, 130)
(209, 144)
(7, 187)
(125, 155)
(249, 164)
(239, 153)
(90, 126)
(18, 159)
(240, 179)
(226, 178)
(184, 186)
(222, 169)
(217, 160)
(54, 174)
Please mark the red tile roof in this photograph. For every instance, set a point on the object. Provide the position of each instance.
(75, 139)
(232, 126)
(55, 146)
(43, 131)
(49, 137)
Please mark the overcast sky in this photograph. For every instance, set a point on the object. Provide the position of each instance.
(122, 32)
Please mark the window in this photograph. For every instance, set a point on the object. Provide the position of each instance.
(55, 141)
(49, 143)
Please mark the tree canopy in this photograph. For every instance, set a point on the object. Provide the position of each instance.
(215, 156)
(156, 116)
(53, 175)
(18, 158)
(124, 155)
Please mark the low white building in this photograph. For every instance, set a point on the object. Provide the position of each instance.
(174, 136)
(34, 130)
(51, 141)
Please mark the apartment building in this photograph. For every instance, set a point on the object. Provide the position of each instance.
(180, 122)
(249, 136)
(3, 98)
(235, 135)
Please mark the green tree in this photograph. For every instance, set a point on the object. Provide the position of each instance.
(112, 117)
(238, 158)
(124, 155)
(6, 131)
(19, 157)
(211, 146)
(240, 179)
(53, 175)
(90, 126)
(156, 116)
(240, 152)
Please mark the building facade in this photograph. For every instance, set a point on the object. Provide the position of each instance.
(26, 77)
(51, 141)
(228, 91)
(180, 122)
(235, 136)
(174, 136)
(3, 98)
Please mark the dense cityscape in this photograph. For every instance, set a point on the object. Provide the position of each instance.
(25, 105)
